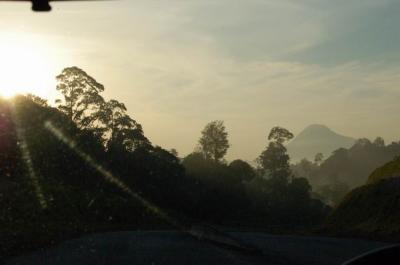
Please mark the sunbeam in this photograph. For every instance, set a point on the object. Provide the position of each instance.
(108, 176)
(26, 156)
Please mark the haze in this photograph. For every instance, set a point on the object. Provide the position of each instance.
(254, 64)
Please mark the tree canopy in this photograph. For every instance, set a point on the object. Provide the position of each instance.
(81, 96)
(214, 142)
(274, 160)
(119, 128)
(280, 135)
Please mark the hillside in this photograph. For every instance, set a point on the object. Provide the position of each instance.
(346, 169)
(372, 210)
(315, 139)
(389, 170)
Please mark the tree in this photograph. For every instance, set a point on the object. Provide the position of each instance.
(174, 152)
(81, 99)
(38, 100)
(120, 129)
(319, 157)
(242, 170)
(214, 141)
(333, 193)
(306, 169)
(274, 161)
(379, 142)
(280, 135)
(300, 189)
(362, 142)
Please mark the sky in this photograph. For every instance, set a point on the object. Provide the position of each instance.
(255, 64)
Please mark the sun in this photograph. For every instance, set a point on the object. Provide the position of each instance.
(26, 66)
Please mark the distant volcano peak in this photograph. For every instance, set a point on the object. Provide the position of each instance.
(317, 126)
(317, 138)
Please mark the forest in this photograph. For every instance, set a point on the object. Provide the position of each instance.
(346, 168)
(85, 165)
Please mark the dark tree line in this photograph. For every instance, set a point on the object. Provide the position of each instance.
(265, 195)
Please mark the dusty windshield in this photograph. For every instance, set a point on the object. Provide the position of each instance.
(249, 125)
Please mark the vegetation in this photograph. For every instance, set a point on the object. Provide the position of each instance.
(214, 143)
(371, 210)
(345, 169)
(389, 170)
(87, 166)
(268, 195)
(274, 161)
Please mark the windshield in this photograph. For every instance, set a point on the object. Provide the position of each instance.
(254, 126)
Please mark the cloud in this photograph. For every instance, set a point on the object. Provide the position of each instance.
(187, 87)
(356, 31)
(254, 64)
(253, 30)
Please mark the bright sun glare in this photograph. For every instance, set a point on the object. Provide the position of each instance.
(25, 66)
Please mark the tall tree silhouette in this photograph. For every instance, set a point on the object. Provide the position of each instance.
(81, 97)
(379, 142)
(120, 129)
(274, 160)
(319, 157)
(214, 141)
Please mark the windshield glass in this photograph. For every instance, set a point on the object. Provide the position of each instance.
(248, 125)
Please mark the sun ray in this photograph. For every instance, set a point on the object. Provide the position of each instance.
(26, 157)
(108, 176)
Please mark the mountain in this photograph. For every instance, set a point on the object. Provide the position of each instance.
(314, 139)
(372, 210)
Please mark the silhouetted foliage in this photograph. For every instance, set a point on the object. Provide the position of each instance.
(77, 198)
(280, 135)
(369, 211)
(81, 93)
(174, 152)
(38, 100)
(379, 142)
(243, 171)
(214, 140)
(87, 166)
(346, 168)
(274, 160)
(123, 132)
(319, 157)
(388, 170)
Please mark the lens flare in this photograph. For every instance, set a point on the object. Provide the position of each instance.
(26, 156)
